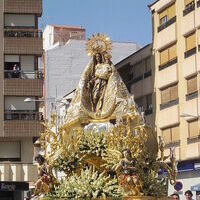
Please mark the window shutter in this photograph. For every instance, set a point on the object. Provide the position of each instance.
(188, 2)
(171, 11)
(165, 95)
(166, 136)
(193, 129)
(164, 56)
(163, 13)
(172, 52)
(192, 85)
(175, 134)
(190, 42)
(174, 92)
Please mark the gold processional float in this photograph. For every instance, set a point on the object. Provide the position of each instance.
(104, 149)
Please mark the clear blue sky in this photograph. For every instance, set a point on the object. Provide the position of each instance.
(121, 20)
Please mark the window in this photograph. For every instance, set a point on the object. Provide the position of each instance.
(140, 103)
(10, 151)
(168, 54)
(171, 135)
(188, 3)
(190, 41)
(19, 20)
(145, 104)
(169, 94)
(167, 14)
(192, 85)
(193, 129)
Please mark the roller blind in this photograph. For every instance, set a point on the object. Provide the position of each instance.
(192, 85)
(168, 54)
(175, 134)
(166, 136)
(190, 42)
(188, 2)
(170, 12)
(163, 56)
(173, 92)
(193, 129)
(165, 95)
(172, 52)
(163, 13)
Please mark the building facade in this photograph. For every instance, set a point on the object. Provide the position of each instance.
(176, 42)
(137, 72)
(21, 46)
(59, 34)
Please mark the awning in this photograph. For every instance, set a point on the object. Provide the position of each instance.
(14, 186)
(195, 187)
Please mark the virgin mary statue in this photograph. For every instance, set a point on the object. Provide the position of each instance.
(101, 94)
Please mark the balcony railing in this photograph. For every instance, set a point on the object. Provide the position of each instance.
(166, 24)
(190, 52)
(169, 104)
(23, 33)
(189, 9)
(23, 115)
(22, 74)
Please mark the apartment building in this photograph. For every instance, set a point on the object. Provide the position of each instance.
(20, 122)
(137, 72)
(176, 45)
(55, 35)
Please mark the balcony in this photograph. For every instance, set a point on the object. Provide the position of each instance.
(188, 23)
(23, 83)
(23, 6)
(167, 76)
(164, 120)
(189, 9)
(189, 66)
(191, 108)
(18, 41)
(18, 172)
(192, 150)
(22, 124)
(166, 37)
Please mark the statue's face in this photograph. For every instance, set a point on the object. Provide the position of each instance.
(98, 57)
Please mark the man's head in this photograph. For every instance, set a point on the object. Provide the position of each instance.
(40, 159)
(175, 196)
(188, 195)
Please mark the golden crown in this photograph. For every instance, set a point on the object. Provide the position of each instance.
(98, 43)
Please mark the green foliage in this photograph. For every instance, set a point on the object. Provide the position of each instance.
(90, 184)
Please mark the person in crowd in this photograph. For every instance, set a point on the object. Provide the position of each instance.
(175, 196)
(188, 195)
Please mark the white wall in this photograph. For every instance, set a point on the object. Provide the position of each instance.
(48, 37)
(19, 20)
(17, 103)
